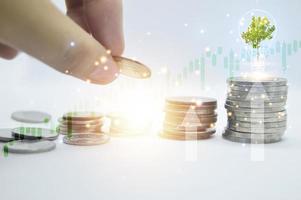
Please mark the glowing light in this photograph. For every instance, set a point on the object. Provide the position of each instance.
(163, 70)
(202, 31)
(186, 25)
(109, 52)
(228, 15)
(67, 71)
(88, 81)
(105, 68)
(103, 59)
(96, 63)
(229, 114)
(197, 72)
(207, 49)
(72, 44)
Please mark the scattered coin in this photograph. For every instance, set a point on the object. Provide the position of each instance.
(6, 135)
(132, 68)
(31, 117)
(87, 139)
(33, 133)
(30, 146)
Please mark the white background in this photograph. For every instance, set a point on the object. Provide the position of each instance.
(149, 167)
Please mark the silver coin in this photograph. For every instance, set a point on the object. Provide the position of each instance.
(6, 135)
(254, 110)
(258, 93)
(30, 146)
(257, 124)
(261, 119)
(33, 133)
(279, 115)
(252, 141)
(261, 96)
(132, 68)
(86, 139)
(247, 88)
(248, 104)
(253, 135)
(254, 99)
(268, 81)
(31, 116)
(256, 129)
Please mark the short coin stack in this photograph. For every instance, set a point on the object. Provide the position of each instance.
(82, 128)
(189, 118)
(256, 109)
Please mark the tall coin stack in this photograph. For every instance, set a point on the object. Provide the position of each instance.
(82, 128)
(256, 109)
(189, 118)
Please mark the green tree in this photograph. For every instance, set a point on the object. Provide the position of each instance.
(259, 30)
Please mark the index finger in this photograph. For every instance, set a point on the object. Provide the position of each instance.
(104, 18)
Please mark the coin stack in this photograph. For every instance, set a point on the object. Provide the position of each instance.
(123, 125)
(189, 118)
(256, 109)
(82, 128)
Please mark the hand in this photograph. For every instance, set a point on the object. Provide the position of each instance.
(38, 28)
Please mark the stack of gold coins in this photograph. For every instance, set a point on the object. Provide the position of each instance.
(82, 128)
(189, 118)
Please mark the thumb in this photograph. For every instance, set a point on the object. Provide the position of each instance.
(38, 28)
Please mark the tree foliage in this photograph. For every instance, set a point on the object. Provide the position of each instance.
(259, 30)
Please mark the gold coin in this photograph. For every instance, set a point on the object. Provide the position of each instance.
(132, 68)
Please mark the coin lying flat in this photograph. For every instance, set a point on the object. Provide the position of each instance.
(33, 133)
(196, 127)
(86, 139)
(188, 113)
(252, 141)
(268, 81)
(31, 116)
(172, 136)
(247, 88)
(82, 116)
(254, 110)
(248, 104)
(256, 120)
(80, 122)
(256, 129)
(252, 135)
(256, 123)
(192, 100)
(132, 68)
(6, 135)
(30, 146)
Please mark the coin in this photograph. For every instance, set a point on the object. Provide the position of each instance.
(258, 93)
(132, 68)
(80, 122)
(261, 119)
(252, 135)
(192, 100)
(82, 116)
(186, 108)
(202, 136)
(257, 124)
(257, 129)
(255, 100)
(180, 120)
(86, 139)
(6, 135)
(33, 133)
(252, 141)
(31, 116)
(268, 81)
(247, 88)
(279, 115)
(248, 104)
(190, 113)
(30, 146)
(196, 127)
(254, 110)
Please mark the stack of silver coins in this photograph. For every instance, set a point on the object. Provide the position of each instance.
(82, 128)
(256, 109)
(189, 118)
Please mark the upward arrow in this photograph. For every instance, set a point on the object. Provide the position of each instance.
(257, 97)
(191, 122)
